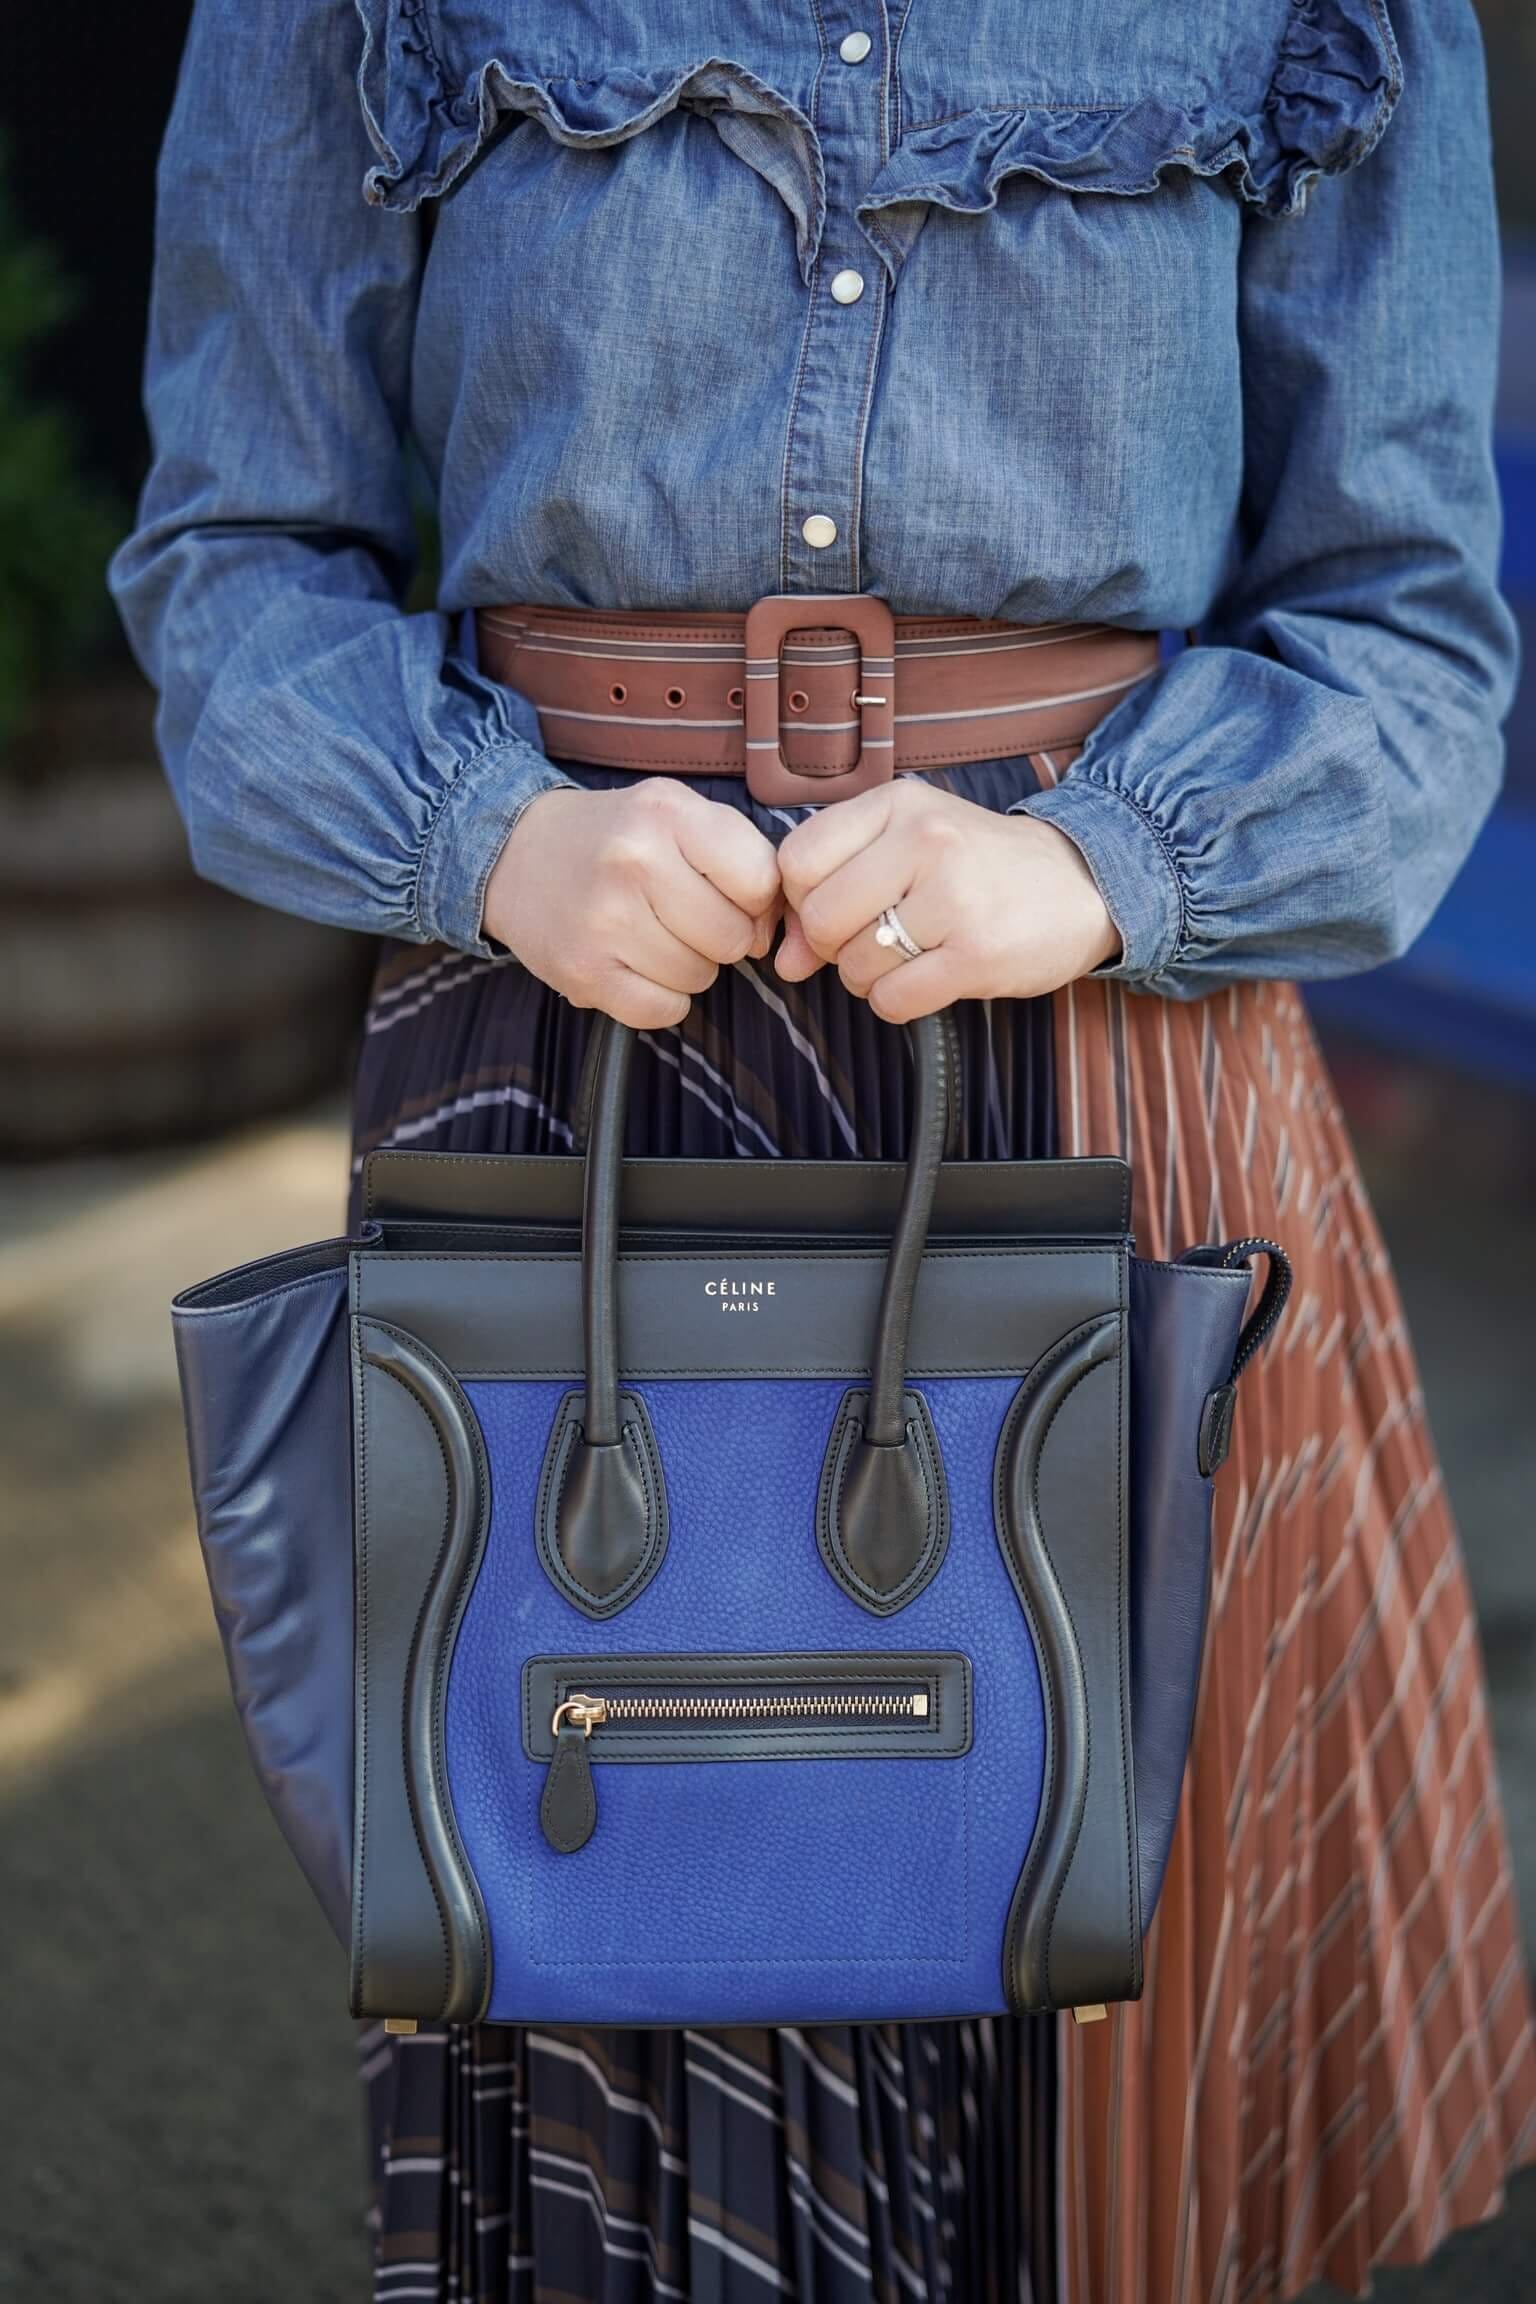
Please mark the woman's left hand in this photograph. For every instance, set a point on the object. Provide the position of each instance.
(1003, 906)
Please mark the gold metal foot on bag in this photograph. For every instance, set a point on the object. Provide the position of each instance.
(404, 2027)
(1093, 2013)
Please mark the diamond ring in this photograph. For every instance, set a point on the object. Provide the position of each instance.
(893, 936)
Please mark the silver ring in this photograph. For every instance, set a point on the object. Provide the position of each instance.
(891, 933)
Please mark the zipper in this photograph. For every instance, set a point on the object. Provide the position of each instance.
(815, 1718)
(589, 1712)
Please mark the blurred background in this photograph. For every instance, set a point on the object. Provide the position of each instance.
(177, 2118)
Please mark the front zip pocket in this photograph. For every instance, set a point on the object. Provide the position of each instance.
(578, 1710)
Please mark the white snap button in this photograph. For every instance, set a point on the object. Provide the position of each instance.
(819, 531)
(847, 287)
(855, 48)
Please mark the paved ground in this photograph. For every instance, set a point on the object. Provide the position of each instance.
(176, 2110)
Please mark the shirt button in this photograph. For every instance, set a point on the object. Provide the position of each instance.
(819, 531)
(855, 47)
(847, 287)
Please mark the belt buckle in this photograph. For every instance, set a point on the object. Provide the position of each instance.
(770, 778)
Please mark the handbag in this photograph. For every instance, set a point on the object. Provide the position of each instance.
(716, 1592)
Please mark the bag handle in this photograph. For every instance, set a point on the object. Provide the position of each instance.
(882, 1497)
(600, 1230)
(935, 1110)
(934, 1045)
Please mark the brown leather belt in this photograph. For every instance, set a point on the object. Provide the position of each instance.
(811, 696)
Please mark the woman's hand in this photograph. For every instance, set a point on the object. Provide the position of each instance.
(633, 900)
(1003, 906)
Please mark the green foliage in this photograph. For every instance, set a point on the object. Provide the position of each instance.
(56, 526)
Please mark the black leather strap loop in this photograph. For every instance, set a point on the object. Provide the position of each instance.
(1272, 1299)
(1215, 1435)
(1261, 1321)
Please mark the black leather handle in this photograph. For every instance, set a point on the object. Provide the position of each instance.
(934, 1111)
(934, 1119)
(600, 1231)
(882, 1511)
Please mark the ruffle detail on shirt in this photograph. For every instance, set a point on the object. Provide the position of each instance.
(427, 131)
(1336, 81)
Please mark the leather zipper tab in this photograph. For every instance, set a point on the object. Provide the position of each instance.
(568, 1808)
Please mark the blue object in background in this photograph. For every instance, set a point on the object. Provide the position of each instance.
(1517, 481)
(1467, 990)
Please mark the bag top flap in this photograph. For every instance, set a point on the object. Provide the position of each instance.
(1018, 1199)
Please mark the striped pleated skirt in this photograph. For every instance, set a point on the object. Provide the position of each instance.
(1332, 2065)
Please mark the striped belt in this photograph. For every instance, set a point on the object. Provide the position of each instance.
(811, 696)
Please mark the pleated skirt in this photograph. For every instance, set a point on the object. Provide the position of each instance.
(1332, 2064)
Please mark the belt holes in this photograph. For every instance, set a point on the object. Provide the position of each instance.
(736, 699)
(618, 692)
(676, 699)
(798, 699)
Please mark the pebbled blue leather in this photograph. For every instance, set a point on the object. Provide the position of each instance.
(264, 1378)
(747, 1891)
(1184, 1323)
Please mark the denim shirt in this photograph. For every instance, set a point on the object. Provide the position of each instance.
(1166, 315)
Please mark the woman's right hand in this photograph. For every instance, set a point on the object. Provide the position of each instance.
(632, 901)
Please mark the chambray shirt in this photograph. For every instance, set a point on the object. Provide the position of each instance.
(1162, 315)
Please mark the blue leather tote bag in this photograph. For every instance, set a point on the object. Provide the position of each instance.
(722, 1592)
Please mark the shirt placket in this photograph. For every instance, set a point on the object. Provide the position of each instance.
(824, 452)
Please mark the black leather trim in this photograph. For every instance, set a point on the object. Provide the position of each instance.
(1001, 1199)
(944, 1735)
(601, 1517)
(1073, 1934)
(882, 1513)
(421, 1463)
(979, 1310)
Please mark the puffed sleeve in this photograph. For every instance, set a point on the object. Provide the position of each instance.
(1294, 797)
(331, 754)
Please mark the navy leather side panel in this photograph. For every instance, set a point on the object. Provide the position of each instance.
(264, 1383)
(1184, 1327)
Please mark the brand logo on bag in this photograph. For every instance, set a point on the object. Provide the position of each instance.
(740, 1295)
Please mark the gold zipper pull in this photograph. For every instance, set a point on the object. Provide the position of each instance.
(583, 1712)
(568, 1807)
